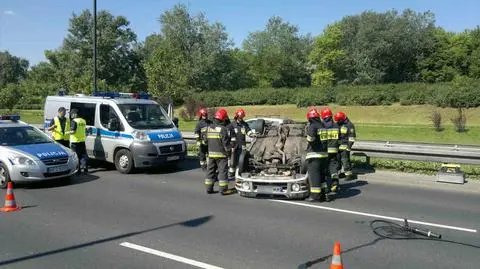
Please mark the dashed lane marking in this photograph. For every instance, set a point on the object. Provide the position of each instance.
(169, 256)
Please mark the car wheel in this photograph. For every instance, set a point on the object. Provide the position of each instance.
(124, 161)
(4, 176)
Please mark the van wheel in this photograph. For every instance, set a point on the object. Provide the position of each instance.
(124, 161)
(4, 176)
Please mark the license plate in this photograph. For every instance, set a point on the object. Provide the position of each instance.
(173, 158)
(269, 189)
(58, 169)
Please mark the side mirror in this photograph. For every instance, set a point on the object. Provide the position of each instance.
(175, 121)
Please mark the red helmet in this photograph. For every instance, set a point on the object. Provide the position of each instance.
(326, 113)
(239, 114)
(339, 116)
(221, 114)
(203, 112)
(312, 113)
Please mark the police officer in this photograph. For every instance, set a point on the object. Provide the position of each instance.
(78, 133)
(347, 138)
(203, 123)
(219, 148)
(333, 132)
(317, 157)
(60, 127)
(239, 139)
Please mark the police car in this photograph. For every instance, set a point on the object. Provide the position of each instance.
(27, 154)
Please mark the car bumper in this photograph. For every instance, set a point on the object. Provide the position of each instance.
(148, 154)
(272, 185)
(41, 172)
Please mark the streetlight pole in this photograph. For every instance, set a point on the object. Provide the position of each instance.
(94, 46)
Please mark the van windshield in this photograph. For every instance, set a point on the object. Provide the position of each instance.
(145, 116)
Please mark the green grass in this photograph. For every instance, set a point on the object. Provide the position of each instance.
(393, 123)
(30, 116)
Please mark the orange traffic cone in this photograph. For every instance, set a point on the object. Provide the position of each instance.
(337, 257)
(10, 204)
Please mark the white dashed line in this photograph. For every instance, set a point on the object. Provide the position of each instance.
(169, 256)
(377, 216)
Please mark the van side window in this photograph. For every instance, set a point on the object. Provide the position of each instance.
(108, 116)
(85, 111)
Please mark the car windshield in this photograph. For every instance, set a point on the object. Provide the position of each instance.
(24, 135)
(146, 116)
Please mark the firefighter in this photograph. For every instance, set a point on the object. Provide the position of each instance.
(203, 123)
(347, 138)
(239, 139)
(78, 134)
(219, 148)
(317, 157)
(333, 132)
(60, 127)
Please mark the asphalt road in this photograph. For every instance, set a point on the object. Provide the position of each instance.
(163, 219)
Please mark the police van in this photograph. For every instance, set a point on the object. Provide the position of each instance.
(127, 129)
(28, 155)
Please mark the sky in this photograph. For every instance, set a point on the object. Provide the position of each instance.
(29, 27)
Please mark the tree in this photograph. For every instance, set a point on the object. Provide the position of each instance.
(9, 96)
(12, 69)
(280, 55)
(190, 54)
(326, 55)
(119, 65)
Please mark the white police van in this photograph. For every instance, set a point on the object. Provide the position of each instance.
(27, 154)
(127, 129)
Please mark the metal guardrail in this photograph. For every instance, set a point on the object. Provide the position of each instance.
(460, 154)
(444, 153)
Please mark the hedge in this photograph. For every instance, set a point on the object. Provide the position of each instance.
(453, 94)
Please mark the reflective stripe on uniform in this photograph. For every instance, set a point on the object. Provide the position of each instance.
(333, 134)
(315, 190)
(231, 170)
(222, 183)
(216, 155)
(233, 139)
(343, 147)
(348, 173)
(208, 182)
(213, 136)
(311, 155)
(351, 139)
(310, 138)
(344, 130)
(332, 150)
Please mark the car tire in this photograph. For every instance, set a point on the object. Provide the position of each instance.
(4, 176)
(124, 161)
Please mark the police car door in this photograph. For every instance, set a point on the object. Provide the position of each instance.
(110, 129)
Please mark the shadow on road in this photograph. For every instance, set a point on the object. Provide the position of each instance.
(57, 183)
(192, 223)
(348, 189)
(185, 165)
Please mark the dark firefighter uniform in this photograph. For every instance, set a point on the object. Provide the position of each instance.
(333, 136)
(347, 138)
(240, 130)
(219, 148)
(78, 133)
(317, 157)
(201, 142)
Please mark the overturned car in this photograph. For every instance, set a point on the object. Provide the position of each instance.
(275, 163)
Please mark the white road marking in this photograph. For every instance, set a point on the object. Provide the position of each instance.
(169, 256)
(377, 216)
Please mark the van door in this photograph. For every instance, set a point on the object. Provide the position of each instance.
(87, 111)
(109, 132)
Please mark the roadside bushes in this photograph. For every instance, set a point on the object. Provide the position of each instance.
(460, 93)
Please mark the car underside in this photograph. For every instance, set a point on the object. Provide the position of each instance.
(274, 165)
